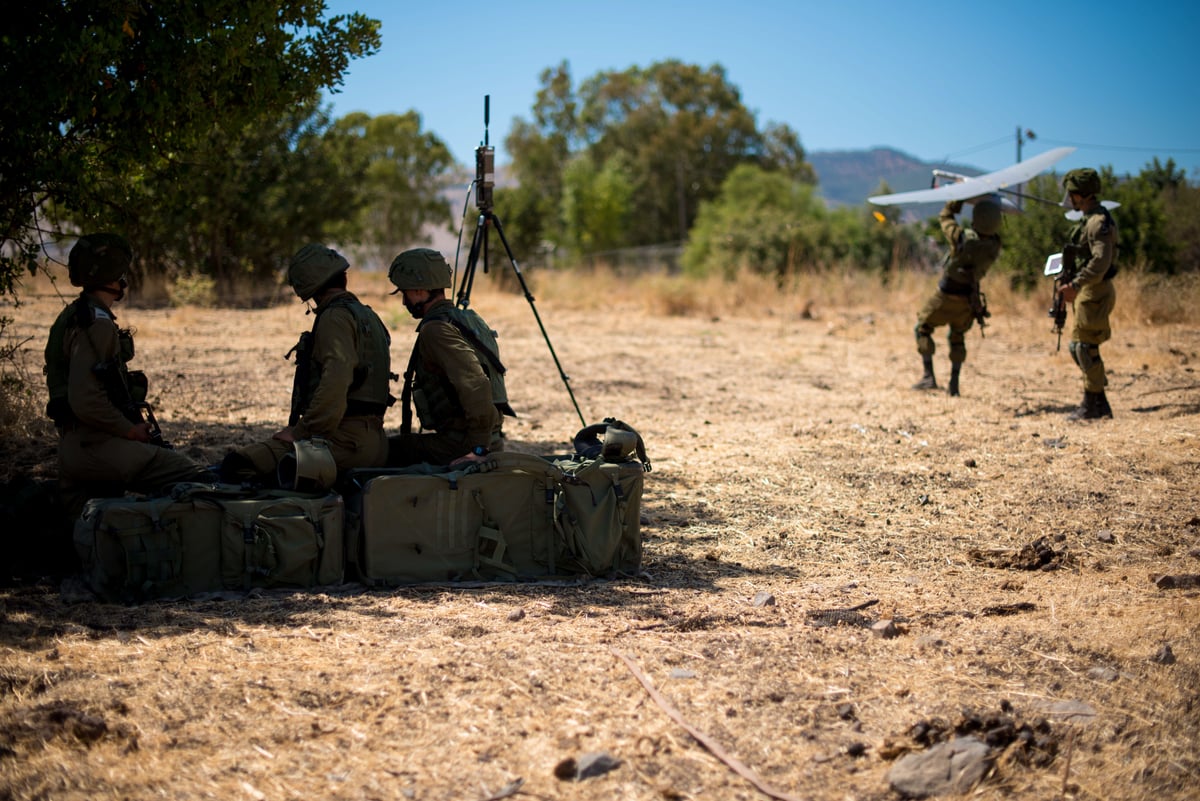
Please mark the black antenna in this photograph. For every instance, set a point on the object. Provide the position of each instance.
(485, 181)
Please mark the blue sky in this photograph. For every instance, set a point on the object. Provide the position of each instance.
(938, 80)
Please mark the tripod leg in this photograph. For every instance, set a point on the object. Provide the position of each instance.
(529, 297)
(467, 282)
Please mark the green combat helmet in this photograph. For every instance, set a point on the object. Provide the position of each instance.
(98, 259)
(1083, 181)
(312, 267)
(310, 467)
(420, 268)
(985, 219)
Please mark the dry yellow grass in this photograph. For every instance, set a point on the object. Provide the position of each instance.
(790, 458)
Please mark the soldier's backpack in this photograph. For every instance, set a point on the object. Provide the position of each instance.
(205, 538)
(599, 505)
(493, 520)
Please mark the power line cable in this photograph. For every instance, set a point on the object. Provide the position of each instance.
(1127, 148)
(976, 148)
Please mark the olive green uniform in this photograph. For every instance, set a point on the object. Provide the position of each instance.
(95, 457)
(342, 389)
(957, 295)
(1093, 241)
(450, 384)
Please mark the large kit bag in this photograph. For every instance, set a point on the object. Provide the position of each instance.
(492, 520)
(209, 537)
(512, 517)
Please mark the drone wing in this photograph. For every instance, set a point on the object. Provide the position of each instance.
(981, 185)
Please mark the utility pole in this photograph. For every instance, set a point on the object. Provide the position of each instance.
(1028, 135)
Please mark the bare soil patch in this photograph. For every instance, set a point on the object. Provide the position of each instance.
(802, 495)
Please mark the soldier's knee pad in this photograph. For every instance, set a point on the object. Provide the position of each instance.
(1073, 348)
(1085, 355)
(924, 334)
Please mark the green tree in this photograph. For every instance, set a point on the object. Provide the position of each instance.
(1031, 236)
(682, 130)
(404, 179)
(596, 204)
(769, 223)
(760, 221)
(97, 91)
(675, 130)
(240, 202)
(540, 151)
(1141, 220)
(1181, 210)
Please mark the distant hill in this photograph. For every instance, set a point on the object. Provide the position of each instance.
(849, 177)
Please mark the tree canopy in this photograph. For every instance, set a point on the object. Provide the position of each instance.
(97, 91)
(661, 138)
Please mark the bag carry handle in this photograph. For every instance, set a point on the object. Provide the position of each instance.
(617, 444)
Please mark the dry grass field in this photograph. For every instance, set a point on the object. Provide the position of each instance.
(795, 474)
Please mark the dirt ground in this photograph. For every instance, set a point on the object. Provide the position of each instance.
(795, 474)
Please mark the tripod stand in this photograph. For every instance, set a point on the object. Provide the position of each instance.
(484, 182)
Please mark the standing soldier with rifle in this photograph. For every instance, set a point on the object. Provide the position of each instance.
(1089, 266)
(109, 440)
(958, 303)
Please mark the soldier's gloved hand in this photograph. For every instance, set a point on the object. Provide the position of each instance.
(954, 206)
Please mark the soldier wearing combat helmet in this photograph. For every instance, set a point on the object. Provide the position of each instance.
(454, 379)
(340, 392)
(1090, 264)
(958, 303)
(105, 444)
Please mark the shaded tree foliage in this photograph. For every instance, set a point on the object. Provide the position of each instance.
(98, 92)
(239, 203)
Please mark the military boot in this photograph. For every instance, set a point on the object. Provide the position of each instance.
(1092, 407)
(927, 381)
(952, 389)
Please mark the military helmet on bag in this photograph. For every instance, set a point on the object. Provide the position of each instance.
(98, 259)
(420, 268)
(1083, 181)
(312, 267)
(985, 219)
(310, 467)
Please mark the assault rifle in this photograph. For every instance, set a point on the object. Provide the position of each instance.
(979, 310)
(119, 389)
(302, 377)
(1061, 265)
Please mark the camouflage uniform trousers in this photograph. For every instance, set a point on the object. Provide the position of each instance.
(438, 448)
(93, 462)
(943, 309)
(357, 442)
(1092, 307)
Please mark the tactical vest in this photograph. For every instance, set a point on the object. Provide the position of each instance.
(967, 263)
(1077, 250)
(368, 391)
(123, 386)
(437, 404)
